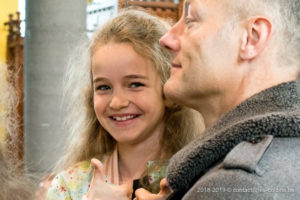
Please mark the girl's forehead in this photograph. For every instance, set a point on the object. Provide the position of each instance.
(120, 57)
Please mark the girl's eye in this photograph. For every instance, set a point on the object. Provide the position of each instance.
(136, 85)
(103, 87)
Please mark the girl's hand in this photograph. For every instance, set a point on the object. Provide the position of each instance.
(165, 191)
(99, 190)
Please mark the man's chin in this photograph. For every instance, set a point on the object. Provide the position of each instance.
(173, 92)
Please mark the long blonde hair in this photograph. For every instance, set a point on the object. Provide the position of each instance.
(87, 137)
(14, 183)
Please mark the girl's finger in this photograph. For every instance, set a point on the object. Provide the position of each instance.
(164, 188)
(98, 172)
(128, 190)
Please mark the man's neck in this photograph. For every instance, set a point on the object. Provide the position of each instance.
(213, 108)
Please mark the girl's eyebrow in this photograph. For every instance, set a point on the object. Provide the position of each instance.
(99, 79)
(133, 76)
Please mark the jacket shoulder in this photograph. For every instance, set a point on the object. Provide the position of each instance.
(269, 154)
(226, 184)
(247, 155)
(261, 170)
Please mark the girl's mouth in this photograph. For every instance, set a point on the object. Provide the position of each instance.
(123, 118)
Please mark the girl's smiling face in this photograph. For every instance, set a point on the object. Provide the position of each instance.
(128, 99)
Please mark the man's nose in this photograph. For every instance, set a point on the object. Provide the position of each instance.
(170, 40)
(118, 101)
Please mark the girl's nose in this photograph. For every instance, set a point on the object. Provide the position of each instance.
(119, 101)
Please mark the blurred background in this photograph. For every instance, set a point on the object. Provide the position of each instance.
(36, 39)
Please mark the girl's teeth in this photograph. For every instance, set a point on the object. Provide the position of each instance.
(123, 118)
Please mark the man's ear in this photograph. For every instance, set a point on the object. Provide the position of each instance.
(255, 38)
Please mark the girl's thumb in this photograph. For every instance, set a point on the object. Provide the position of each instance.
(98, 172)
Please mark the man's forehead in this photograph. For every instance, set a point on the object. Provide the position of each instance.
(188, 2)
(207, 3)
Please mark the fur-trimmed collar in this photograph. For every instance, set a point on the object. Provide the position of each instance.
(275, 111)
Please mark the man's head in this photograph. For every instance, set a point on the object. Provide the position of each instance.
(223, 47)
(284, 16)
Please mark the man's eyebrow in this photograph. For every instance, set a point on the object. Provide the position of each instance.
(187, 2)
(186, 5)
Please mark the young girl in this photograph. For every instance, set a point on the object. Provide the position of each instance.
(119, 114)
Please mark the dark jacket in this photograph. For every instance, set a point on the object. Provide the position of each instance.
(252, 152)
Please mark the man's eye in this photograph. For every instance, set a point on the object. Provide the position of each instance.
(188, 22)
(136, 85)
(103, 87)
